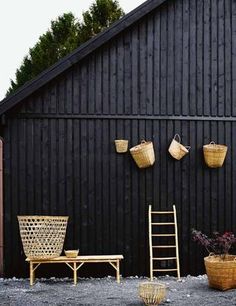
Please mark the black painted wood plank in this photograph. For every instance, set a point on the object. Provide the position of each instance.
(228, 59)
(135, 199)
(170, 59)
(98, 186)
(186, 35)
(157, 61)
(77, 204)
(150, 58)
(163, 66)
(233, 25)
(214, 58)
(76, 90)
(91, 84)
(178, 57)
(127, 73)
(113, 187)
(105, 81)
(69, 92)
(91, 187)
(200, 67)
(113, 78)
(22, 165)
(206, 61)
(98, 89)
(38, 165)
(221, 58)
(134, 70)
(61, 166)
(69, 184)
(83, 185)
(61, 96)
(193, 57)
(53, 158)
(120, 75)
(45, 167)
(143, 66)
(84, 88)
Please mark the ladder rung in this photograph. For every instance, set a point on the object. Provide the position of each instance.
(163, 235)
(165, 270)
(164, 258)
(165, 223)
(164, 246)
(162, 212)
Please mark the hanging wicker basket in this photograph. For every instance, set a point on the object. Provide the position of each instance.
(221, 273)
(121, 145)
(152, 293)
(176, 149)
(214, 154)
(143, 154)
(42, 236)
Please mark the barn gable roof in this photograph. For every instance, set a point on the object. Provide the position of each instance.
(78, 54)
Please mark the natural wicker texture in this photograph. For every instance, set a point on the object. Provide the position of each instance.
(176, 149)
(121, 145)
(42, 236)
(71, 253)
(143, 154)
(152, 293)
(221, 273)
(214, 154)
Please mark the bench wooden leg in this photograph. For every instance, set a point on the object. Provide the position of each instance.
(75, 273)
(118, 271)
(32, 274)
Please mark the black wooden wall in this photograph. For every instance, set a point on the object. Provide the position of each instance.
(174, 71)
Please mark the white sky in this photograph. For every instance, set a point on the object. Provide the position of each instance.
(23, 21)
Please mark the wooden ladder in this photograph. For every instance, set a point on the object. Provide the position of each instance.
(152, 236)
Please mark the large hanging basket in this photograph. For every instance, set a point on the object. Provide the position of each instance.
(176, 149)
(152, 293)
(143, 154)
(42, 236)
(221, 273)
(214, 154)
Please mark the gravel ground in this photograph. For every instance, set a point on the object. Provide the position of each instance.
(105, 291)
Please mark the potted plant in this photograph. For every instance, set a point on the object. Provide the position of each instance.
(220, 265)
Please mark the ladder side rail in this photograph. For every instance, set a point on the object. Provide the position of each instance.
(150, 241)
(176, 242)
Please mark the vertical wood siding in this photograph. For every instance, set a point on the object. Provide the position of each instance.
(172, 72)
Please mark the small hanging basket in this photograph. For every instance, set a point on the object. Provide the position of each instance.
(214, 154)
(143, 154)
(152, 293)
(176, 149)
(121, 145)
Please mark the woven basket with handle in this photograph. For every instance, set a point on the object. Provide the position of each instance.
(143, 154)
(176, 149)
(214, 154)
(221, 273)
(42, 236)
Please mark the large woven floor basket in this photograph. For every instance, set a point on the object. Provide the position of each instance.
(152, 293)
(221, 273)
(143, 154)
(214, 154)
(42, 236)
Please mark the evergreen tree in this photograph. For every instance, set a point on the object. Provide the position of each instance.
(65, 35)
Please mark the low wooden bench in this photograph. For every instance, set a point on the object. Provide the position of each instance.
(76, 263)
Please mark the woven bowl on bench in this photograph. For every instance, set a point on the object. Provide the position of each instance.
(42, 236)
(71, 253)
(152, 293)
